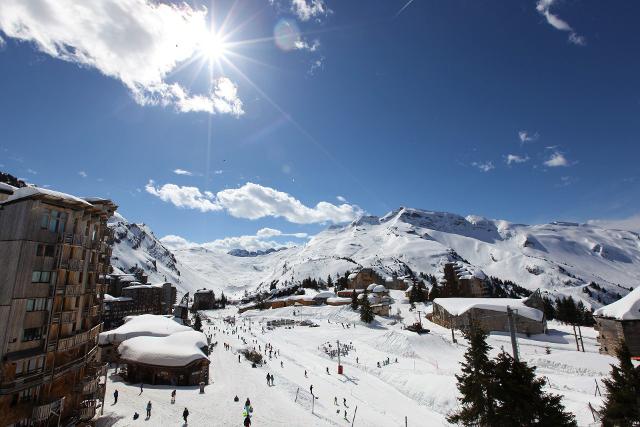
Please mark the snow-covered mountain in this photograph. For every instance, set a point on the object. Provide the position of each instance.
(561, 257)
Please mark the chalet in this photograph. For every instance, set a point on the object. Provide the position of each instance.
(490, 314)
(204, 299)
(461, 280)
(367, 276)
(618, 322)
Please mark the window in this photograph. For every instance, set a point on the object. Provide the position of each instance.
(27, 366)
(45, 250)
(53, 220)
(28, 395)
(32, 334)
(41, 277)
(38, 304)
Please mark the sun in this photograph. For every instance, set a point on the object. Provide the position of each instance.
(214, 47)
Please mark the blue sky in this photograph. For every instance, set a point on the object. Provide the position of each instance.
(521, 110)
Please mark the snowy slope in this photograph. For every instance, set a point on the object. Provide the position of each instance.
(560, 257)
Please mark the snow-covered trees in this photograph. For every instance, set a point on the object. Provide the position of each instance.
(622, 403)
(504, 391)
(354, 300)
(197, 323)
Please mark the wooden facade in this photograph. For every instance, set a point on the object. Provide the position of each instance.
(611, 332)
(192, 374)
(487, 320)
(53, 247)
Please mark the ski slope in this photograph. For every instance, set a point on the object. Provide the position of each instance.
(420, 386)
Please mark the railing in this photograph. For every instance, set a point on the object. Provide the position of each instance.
(88, 386)
(87, 413)
(68, 316)
(42, 412)
(94, 310)
(72, 264)
(71, 239)
(76, 340)
(73, 290)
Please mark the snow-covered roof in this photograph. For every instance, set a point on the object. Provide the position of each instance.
(203, 291)
(142, 325)
(338, 300)
(324, 294)
(109, 298)
(371, 287)
(139, 285)
(178, 349)
(627, 308)
(458, 306)
(379, 289)
(6, 188)
(26, 192)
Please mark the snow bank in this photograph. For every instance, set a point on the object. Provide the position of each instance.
(143, 325)
(178, 349)
(458, 306)
(109, 298)
(627, 308)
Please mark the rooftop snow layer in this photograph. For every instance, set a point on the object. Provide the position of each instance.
(627, 308)
(458, 306)
(109, 298)
(178, 349)
(26, 192)
(142, 325)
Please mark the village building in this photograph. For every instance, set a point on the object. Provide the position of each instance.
(461, 280)
(203, 299)
(53, 247)
(115, 309)
(157, 298)
(367, 276)
(379, 299)
(620, 322)
(490, 314)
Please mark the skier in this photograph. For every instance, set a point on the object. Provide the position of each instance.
(173, 396)
(238, 358)
(344, 400)
(327, 370)
(335, 400)
(345, 415)
(115, 397)
(185, 415)
(357, 360)
(281, 364)
(272, 380)
(268, 379)
(140, 389)
(247, 421)
(247, 406)
(305, 373)
(149, 409)
(311, 390)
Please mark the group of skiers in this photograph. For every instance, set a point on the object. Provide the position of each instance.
(185, 413)
(270, 380)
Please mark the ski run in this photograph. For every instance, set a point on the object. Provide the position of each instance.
(392, 377)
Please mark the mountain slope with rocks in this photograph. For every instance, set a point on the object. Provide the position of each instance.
(560, 257)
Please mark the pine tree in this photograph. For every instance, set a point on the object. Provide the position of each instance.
(622, 402)
(223, 300)
(474, 383)
(520, 400)
(197, 323)
(329, 282)
(366, 312)
(416, 294)
(354, 300)
(434, 293)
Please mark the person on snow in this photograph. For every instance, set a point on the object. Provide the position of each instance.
(344, 401)
(247, 406)
(305, 373)
(238, 358)
(268, 379)
(115, 397)
(185, 415)
(140, 389)
(335, 400)
(327, 370)
(149, 409)
(311, 389)
(173, 396)
(281, 364)
(136, 415)
(247, 421)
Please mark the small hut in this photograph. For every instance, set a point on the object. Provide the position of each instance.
(620, 321)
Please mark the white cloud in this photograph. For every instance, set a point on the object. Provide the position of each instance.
(526, 137)
(138, 42)
(557, 159)
(302, 44)
(32, 172)
(184, 197)
(218, 172)
(254, 201)
(3, 43)
(514, 158)
(182, 172)
(341, 199)
(307, 9)
(262, 240)
(631, 223)
(83, 174)
(317, 64)
(484, 166)
(543, 7)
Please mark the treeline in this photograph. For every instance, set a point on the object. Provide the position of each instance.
(566, 310)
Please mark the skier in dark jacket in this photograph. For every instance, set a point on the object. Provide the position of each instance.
(149, 409)
(185, 415)
(247, 421)
(115, 397)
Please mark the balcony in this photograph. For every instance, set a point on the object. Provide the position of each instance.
(68, 343)
(71, 239)
(73, 290)
(43, 412)
(68, 316)
(72, 264)
(88, 385)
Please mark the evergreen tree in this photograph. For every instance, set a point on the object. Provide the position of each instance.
(434, 293)
(354, 300)
(366, 312)
(520, 400)
(223, 300)
(474, 383)
(197, 323)
(549, 308)
(329, 282)
(622, 402)
(416, 294)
